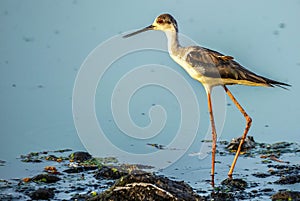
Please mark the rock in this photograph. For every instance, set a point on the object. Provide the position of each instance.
(222, 196)
(110, 173)
(80, 169)
(249, 143)
(279, 148)
(289, 179)
(261, 175)
(283, 170)
(148, 187)
(281, 145)
(116, 172)
(80, 156)
(286, 196)
(54, 158)
(45, 178)
(266, 190)
(33, 157)
(234, 184)
(42, 194)
(79, 197)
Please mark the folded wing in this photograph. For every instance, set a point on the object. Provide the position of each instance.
(216, 65)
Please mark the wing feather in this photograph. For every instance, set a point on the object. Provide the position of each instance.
(215, 65)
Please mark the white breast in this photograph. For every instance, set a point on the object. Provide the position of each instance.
(206, 81)
(189, 69)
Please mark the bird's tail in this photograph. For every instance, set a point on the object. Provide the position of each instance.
(274, 83)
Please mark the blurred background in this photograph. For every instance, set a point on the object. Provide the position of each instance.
(44, 43)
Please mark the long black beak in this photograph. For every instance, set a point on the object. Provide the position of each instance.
(151, 27)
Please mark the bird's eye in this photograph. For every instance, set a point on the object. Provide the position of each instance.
(160, 21)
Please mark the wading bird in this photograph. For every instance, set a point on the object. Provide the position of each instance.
(211, 68)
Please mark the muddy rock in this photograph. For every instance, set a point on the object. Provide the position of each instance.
(283, 170)
(234, 184)
(80, 156)
(39, 157)
(289, 179)
(222, 196)
(116, 172)
(148, 187)
(79, 169)
(278, 148)
(110, 173)
(248, 144)
(286, 196)
(261, 175)
(46, 178)
(42, 194)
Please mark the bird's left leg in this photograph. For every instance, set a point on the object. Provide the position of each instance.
(214, 137)
(248, 125)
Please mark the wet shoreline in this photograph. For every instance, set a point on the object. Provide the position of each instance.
(69, 175)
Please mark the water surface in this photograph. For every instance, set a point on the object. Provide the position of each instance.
(43, 45)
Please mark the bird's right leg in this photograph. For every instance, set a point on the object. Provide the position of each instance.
(248, 125)
(214, 137)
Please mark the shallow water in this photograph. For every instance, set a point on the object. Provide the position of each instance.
(41, 54)
(258, 172)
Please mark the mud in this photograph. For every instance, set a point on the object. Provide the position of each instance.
(68, 175)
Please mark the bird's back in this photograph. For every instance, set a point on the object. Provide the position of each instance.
(206, 65)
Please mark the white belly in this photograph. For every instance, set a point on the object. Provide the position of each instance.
(208, 82)
(189, 69)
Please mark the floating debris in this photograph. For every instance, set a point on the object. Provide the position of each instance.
(2, 163)
(273, 158)
(56, 31)
(32, 157)
(51, 170)
(158, 146)
(282, 25)
(38, 157)
(28, 39)
(62, 150)
(27, 179)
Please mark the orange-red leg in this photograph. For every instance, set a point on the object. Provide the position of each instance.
(214, 138)
(248, 125)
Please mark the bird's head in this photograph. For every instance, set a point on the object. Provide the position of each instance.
(164, 22)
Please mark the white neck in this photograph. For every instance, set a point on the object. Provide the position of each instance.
(173, 44)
